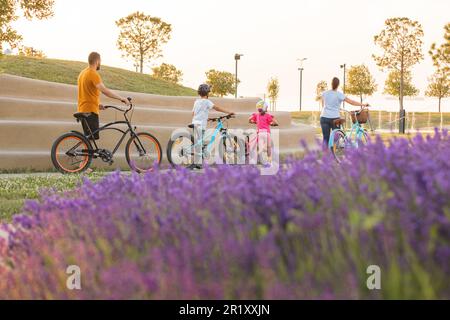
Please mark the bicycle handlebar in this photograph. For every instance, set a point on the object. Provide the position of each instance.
(358, 111)
(120, 109)
(229, 116)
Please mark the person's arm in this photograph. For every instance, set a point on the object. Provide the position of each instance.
(355, 103)
(252, 119)
(111, 94)
(274, 122)
(220, 109)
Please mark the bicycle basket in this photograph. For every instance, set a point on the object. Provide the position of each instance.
(362, 117)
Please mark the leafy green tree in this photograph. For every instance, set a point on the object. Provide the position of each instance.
(31, 52)
(439, 83)
(401, 41)
(167, 72)
(222, 83)
(321, 87)
(441, 54)
(273, 90)
(360, 82)
(393, 84)
(439, 87)
(39, 9)
(141, 37)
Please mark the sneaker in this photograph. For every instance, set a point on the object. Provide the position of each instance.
(194, 167)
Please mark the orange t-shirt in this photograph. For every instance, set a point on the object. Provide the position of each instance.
(88, 94)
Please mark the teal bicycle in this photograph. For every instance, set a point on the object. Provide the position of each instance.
(356, 137)
(218, 147)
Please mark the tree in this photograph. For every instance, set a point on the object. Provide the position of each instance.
(31, 52)
(401, 41)
(167, 72)
(439, 87)
(222, 83)
(321, 87)
(40, 9)
(393, 84)
(441, 54)
(360, 82)
(141, 37)
(273, 89)
(439, 83)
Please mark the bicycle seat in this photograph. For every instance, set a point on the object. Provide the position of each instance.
(81, 115)
(191, 126)
(338, 122)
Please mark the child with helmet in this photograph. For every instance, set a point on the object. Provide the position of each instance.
(200, 113)
(263, 121)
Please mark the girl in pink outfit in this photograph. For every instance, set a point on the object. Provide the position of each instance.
(263, 121)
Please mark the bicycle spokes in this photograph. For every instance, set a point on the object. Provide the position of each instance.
(182, 151)
(143, 152)
(72, 154)
(339, 145)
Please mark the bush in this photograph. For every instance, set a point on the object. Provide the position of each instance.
(309, 232)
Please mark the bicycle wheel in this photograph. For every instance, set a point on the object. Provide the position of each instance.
(362, 139)
(180, 150)
(142, 152)
(71, 153)
(339, 143)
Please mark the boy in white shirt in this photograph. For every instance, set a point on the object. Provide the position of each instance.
(200, 114)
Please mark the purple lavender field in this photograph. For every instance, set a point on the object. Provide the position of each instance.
(309, 232)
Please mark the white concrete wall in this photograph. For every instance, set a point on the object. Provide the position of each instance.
(34, 113)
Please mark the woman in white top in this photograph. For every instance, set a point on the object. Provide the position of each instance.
(332, 101)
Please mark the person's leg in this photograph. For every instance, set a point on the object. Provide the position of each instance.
(198, 147)
(326, 130)
(95, 125)
(263, 145)
(90, 125)
(85, 125)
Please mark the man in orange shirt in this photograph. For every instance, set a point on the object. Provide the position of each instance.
(90, 85)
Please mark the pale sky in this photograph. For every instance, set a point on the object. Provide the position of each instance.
(270, 34)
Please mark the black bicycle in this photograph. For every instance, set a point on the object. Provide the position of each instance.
(73, 152)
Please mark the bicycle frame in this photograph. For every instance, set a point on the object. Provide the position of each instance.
(108, 126)
(219, 129)
(356, 129)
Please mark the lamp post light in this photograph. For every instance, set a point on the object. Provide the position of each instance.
(237, 57)
(300, 69)
(344, 66)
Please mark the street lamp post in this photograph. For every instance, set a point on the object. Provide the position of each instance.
(300, 69)
(237, 57)
(344, 66)
(301, 85)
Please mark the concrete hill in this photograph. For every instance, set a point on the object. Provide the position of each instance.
(33, 113)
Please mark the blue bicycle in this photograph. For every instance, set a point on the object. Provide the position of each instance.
(356, 137)
(218, 147)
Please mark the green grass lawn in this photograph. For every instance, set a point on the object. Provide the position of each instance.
(16, 190)
(382, 120)
(63, 71)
